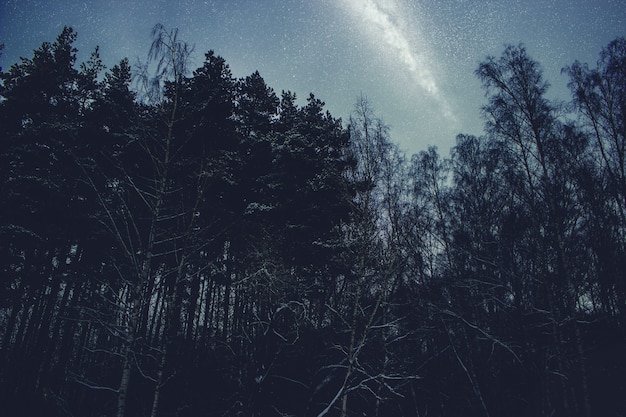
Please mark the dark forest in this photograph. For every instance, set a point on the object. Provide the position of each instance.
(180, 242)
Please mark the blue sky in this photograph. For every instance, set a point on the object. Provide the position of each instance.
(414, 60)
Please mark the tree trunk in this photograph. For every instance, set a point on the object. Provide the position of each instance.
(122, 391)
(125, 379)
(159, 379)
(355, 312)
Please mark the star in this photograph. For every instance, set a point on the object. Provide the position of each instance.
(414, 60)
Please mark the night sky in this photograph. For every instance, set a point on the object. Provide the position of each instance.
(414, 60)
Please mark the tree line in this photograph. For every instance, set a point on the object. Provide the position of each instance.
(186, 243)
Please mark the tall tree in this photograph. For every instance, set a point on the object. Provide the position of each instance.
(599, 95)
(45, 217)
(519, 115)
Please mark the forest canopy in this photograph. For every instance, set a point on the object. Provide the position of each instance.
(181, 242)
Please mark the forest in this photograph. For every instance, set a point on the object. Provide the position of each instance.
(181, 242)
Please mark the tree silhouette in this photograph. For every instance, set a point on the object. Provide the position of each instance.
(200, 245)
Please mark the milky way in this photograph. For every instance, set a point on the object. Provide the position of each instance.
(390, 26)
(414, 59)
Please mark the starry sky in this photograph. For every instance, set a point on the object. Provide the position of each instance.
(413, 59)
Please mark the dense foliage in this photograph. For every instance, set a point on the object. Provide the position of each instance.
(197, 245)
